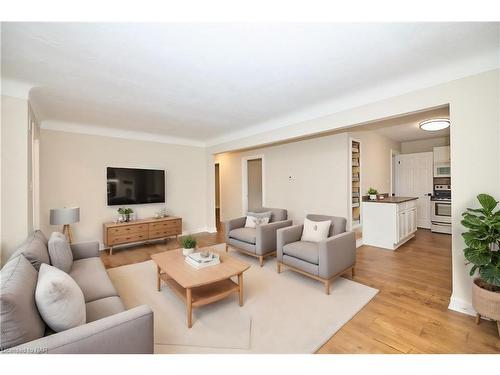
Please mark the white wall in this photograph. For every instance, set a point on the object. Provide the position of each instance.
(73, 173)
(14, 143)
(424, 145)
(474, 138)
(375, 160)
(308, 176)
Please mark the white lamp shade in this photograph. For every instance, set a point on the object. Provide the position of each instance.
(63, 216)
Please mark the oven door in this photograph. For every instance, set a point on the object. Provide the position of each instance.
(442, 170)
(441, 212)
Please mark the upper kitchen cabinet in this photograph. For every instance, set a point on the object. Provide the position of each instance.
(442, 154)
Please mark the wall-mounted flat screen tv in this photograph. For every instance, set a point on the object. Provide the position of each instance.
(135, 186)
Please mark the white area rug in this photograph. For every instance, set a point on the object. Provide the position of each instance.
(282, 313)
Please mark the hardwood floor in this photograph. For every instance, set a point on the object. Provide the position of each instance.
(410, 313)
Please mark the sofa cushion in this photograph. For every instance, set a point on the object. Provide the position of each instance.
(59, 299)
(253, 221)
(20, 320)
(103, 307)
(315, 231)
(60, 253)
(247, 235)
(307, 251)
(34, 249)
(92, 278)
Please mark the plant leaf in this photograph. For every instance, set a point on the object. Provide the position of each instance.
(473, 270)
(487, 202)
(471, 240)
(478, 257)
(491, 274)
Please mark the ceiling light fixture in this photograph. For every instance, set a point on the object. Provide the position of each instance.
(434, 124)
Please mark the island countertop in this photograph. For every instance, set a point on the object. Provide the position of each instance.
(395, 200)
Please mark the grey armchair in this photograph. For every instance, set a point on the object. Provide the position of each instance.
(259, 242)
(322, 261)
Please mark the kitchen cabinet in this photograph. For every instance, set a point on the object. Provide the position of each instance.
(442, 154)
(390, 222)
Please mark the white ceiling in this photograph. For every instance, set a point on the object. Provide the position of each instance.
(406, 128)
(204, 81)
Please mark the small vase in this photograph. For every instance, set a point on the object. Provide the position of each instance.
(373, 197)
(186, 252)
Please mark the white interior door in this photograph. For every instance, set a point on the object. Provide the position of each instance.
(414, 179)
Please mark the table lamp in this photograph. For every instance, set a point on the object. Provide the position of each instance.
(65, 216)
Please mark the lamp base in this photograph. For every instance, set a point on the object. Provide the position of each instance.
(68, 232)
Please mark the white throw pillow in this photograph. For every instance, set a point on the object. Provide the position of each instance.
(60, 253)
(59, 299)
(253, 221)
(315, 231)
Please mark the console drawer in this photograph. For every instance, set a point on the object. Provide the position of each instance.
(127, 229)
(164, 232)
(165, 224)
(127, 237)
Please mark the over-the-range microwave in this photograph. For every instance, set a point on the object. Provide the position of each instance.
(442, 170)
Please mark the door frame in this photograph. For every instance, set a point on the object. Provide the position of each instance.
(244, 181)
(392, 154)
(218, 163)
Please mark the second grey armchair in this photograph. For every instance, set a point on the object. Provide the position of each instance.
(323, 261)
(259, 242)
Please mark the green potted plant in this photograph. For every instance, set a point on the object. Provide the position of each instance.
(188, 244)
(372, 193)
(125, 212)
(482, 251)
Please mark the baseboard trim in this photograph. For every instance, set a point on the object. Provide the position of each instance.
(461, 306)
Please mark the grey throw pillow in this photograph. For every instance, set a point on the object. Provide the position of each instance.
(260, 214)
(59, 299)
(20, 320)
(60, 252)
(34, 250)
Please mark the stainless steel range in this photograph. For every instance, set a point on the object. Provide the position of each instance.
(441, 209)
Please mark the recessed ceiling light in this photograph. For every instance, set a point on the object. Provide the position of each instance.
(435, 124)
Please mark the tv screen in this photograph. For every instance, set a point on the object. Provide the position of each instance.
(135, 186)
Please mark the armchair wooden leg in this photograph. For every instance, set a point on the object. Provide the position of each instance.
(278, 267)
(261, 261)
(327, 286)
(352, 271)
(227, 248)
(478, 318)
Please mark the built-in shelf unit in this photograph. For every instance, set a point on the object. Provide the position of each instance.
(355, 182)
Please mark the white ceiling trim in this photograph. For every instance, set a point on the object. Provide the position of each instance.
(456, 70)
(16, 89)
(117, 133)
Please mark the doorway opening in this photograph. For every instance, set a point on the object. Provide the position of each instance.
(218, 225)
(252, 183)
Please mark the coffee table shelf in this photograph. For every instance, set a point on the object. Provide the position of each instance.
(205, 294)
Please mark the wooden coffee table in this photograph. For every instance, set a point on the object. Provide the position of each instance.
(203, 286)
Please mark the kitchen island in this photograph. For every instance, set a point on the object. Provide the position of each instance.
(390, 222)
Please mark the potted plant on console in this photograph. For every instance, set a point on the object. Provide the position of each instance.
(188, 244)
(372, 193)
(483, 242)
(125, 212)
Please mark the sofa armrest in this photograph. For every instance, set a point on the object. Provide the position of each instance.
(336, 254)
(266, 236)
(285, 236)
(129, 332)
(84, 250)
(233, 224)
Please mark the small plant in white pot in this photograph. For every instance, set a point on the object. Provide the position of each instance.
(372, 193)
(483, 242)
(188, 245)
